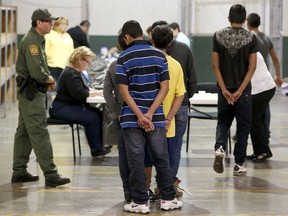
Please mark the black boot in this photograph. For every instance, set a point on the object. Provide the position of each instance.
(56, 180)
(24, 178)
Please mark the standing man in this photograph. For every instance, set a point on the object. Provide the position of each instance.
(33, 81)
(79, 34)
(265, 45)
(265, 48)
(234, 62)
(143, 78)
(179, 35)
(183, 54)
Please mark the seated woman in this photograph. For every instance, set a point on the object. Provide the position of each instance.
(70, 101)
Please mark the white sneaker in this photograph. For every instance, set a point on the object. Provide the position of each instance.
(239, 170)
(137, 208)
(218, 161)
(168, 205)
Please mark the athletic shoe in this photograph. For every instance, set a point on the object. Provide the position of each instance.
(153, 196)
(251, 157)
(239, 170)
(234, 138)
(169, 205)
(218, 161)
(262, 157)
(137, 208)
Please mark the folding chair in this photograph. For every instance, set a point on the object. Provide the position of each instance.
(53, 121)
(198, 114)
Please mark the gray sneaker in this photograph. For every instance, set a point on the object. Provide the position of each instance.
(218, 161)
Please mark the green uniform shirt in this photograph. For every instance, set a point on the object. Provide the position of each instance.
(32, 57)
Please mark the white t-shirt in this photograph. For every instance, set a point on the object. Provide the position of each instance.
(262, 79)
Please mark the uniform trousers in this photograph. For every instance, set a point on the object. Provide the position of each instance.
(32, 133)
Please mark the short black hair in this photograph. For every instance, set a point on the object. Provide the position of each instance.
(121, 42)
(162, 36)
(159, 23)
(237, 13)
(132, 28)
(85, 23)
(254, 20)
(175, 26)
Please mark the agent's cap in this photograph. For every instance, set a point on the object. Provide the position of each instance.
(43, 14)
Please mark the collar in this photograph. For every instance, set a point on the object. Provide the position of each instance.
(139, 42)
(40, 38)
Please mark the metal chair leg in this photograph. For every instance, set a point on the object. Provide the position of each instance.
(79, 144)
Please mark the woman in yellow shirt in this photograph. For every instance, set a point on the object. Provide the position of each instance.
(58, 47)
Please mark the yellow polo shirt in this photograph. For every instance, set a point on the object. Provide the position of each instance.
(176, 89)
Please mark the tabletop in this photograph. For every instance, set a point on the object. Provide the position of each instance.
(96, 99)
(203, 98)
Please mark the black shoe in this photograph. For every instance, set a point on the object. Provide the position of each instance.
(102, 152)
(234, 138)
(56, 180)
(24, 178)
(153, 196)
(262, 157)
(109, 147)
(127, 196)
(251, 157)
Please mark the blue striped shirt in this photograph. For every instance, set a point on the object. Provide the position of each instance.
(142, 67)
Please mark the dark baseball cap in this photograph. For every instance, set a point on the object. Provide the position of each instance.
(43, 14)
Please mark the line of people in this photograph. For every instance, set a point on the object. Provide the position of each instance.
(148, 90)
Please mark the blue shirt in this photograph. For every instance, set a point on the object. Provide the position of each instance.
(142, 67)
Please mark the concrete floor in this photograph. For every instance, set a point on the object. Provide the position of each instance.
(96, 186)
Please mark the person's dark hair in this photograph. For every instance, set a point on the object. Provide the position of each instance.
(132, 28)
(237, 13)
(174, 26)
(34, 23)
(121, 42)
(159, 23)
(162, 36)
(85, 23)
(254, 20)
(149, 30)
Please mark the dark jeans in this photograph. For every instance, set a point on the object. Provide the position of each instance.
(89, 117)
(259, 131)
(241, 110)
(135, 141)
(181, 122)
(123, 161)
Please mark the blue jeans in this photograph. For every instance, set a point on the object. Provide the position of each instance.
(90, 118)
(135, 141)
(181, 122)
(123, 161)
(241, 110)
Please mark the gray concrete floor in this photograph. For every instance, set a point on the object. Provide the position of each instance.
(96, 186)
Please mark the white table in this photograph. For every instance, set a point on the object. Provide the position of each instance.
(96, 100)
(204, 98)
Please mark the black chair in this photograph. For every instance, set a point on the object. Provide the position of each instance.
(53, 121)
(198, 114)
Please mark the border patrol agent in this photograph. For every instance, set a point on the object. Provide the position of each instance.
(33, 81)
